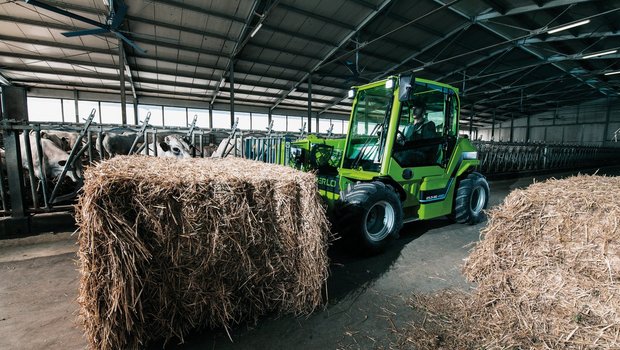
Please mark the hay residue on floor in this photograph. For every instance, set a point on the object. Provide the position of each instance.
(167, 246)
(547, 271)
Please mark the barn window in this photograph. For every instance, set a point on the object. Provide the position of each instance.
(44, 109)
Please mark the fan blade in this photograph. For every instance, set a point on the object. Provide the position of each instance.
(119, 15)
(66, 13)
(86, 32)
(129, 42)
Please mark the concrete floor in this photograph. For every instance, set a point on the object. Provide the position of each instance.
(367, 296)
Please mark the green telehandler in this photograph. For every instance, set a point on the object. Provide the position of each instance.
(402, 160)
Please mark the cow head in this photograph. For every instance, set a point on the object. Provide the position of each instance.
(58, 139)
(74, 172)
(174, 146)
(55, 160)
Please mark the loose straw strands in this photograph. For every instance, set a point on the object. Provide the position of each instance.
(167, 246)
(547, 273)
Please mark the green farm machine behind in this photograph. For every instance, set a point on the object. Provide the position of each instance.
(387, 172)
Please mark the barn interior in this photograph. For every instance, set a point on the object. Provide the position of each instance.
(85, 81)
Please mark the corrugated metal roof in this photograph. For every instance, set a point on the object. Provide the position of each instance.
(498, 50)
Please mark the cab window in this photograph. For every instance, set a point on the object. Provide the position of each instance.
(422, 127)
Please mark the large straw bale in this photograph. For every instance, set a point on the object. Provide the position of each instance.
(167, 246)
(547, 273)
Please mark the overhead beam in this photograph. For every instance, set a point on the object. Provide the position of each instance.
(423, 50)
(231, 59)
(525, 48)
(340, 24)
(22, 40)
(199, 9)
(325, 19)
(112, 78)
(344, 41)
(173, 72)
(407, 59)
(527, 8)
(569, 37)
(495, 5)
(137, 39)
(4, 80)
(97, 12)
(475, 62)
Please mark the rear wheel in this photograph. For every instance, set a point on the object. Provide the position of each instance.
(372, 214)
(472, 197)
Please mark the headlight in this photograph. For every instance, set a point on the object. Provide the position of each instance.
(470, 155)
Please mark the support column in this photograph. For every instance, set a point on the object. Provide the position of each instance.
(269, 117)
(512, 127)
(310, 106)
(210, 116)
(493, 127)
(317, 124)
(77, 110)
(471, 121)
(14, 172)
(135, 111)
(607, 120)
(231, 79)
(14, 107)
(62, 109)
(121, 69)
(527, 129)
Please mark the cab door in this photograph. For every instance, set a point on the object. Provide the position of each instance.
(420, 165)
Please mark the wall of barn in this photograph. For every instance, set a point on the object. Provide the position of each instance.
(592, 124)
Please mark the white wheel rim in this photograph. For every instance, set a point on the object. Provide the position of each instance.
(379, 221)
(477, 200)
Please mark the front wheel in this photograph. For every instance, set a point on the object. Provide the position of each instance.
(373, 214)
(472, 197)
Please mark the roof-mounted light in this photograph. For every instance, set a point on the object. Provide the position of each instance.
(256, 29)
(613, 73)
(603, 53)
(568, 26)
(351, 93)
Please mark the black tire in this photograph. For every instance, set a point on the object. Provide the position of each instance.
(370, 215)
(471, 198)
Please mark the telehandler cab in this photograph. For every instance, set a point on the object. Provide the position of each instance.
(402, 160)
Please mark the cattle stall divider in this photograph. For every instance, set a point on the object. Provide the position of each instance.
(30, 188)
(502, 158)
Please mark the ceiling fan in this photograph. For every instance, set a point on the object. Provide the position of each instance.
(114, 19)
(353, 66)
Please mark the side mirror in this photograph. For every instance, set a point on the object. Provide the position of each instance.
(405, 86)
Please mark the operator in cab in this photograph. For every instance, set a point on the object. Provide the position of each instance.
(422, 128)
(416, 153)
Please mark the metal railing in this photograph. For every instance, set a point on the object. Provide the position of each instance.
(27, 188)
(267, 149)
(514, 157)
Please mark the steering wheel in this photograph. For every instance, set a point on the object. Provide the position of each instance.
(400, 136)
